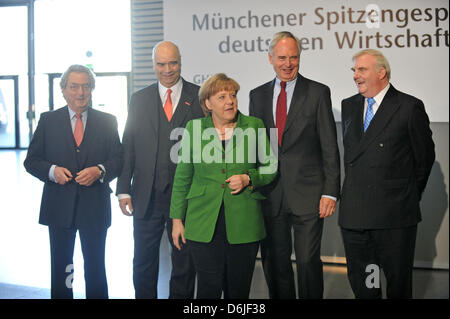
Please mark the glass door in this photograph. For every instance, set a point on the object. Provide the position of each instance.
(9, 109)
(14, 131)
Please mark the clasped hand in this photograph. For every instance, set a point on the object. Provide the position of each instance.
(237, 183)
(85, 177)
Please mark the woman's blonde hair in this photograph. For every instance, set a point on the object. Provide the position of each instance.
(216, 83)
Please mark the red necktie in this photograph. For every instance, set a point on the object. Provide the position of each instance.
(281, 112)
(168, 105)
(79, 130)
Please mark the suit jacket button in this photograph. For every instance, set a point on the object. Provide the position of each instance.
(223, 171)
(223, 156)
(223, 185)
(78, 150)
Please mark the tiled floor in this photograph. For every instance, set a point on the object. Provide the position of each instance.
(24, 252)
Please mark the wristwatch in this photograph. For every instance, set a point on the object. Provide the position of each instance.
(102, 172)
(249, 179)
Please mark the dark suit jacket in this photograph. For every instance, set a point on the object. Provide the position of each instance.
(387, 167)
(140, 140)
(53, 143)
(309, 156)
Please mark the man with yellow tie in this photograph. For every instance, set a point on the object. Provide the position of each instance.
(145, 186)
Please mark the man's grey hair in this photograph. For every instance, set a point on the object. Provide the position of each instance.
(380, 60)
(283, 35)
(78, 68)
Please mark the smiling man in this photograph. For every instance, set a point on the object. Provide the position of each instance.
(145, 186)
(307, 187)
(76, 152)
(388, 153)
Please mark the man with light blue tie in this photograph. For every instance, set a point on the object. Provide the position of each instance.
(388, 155)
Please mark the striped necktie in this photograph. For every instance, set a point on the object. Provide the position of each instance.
(369, 113)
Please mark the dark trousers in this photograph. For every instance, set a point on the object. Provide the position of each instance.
(147, 238)
(389, 249)
(62, 242)
(276, 250)
(222, 266)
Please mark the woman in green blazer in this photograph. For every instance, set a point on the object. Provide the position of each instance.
(224, 159)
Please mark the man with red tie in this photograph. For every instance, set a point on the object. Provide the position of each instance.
(308, 183)
(76, 152)
(156, 118)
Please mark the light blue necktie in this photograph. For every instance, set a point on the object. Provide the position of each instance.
(369, 113)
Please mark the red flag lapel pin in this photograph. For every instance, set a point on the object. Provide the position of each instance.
(187, 103)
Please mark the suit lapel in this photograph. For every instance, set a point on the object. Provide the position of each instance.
(90, 132)
(68, 133)
(242, 125)
(298, 99)
(230, 147)
(183, 107)
(355, 125)
(267, 100)
(387, 109)
(214, 137)
(154, 106)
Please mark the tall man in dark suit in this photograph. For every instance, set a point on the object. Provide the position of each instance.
(76, 152)
(307, 187)
(144, 188)
(388, 155)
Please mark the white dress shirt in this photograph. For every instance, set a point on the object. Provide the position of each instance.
(175, 95)
(290, 86)
(378, 99)
(73, 120)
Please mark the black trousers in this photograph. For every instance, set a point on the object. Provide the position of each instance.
(62, 242)
(368, 251)
(276, 250)
(147, 238)
(222, 266)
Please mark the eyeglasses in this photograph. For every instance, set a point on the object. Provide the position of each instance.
(76, 87)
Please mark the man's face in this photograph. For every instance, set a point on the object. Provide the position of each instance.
(77, 91)
(368, 80)
(285, 59)
(167, 64)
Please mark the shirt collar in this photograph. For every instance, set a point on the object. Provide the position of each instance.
(288, 84)
(72, 113)
(175, 88)
(380, 96)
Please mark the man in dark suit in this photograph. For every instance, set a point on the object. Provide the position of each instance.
(307, 187)
(156, 118)
(388, 155)
(76, 152)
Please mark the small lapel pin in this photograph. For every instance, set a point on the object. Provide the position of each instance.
(187, 103)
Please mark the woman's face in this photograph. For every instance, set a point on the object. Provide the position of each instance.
(223, 106)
